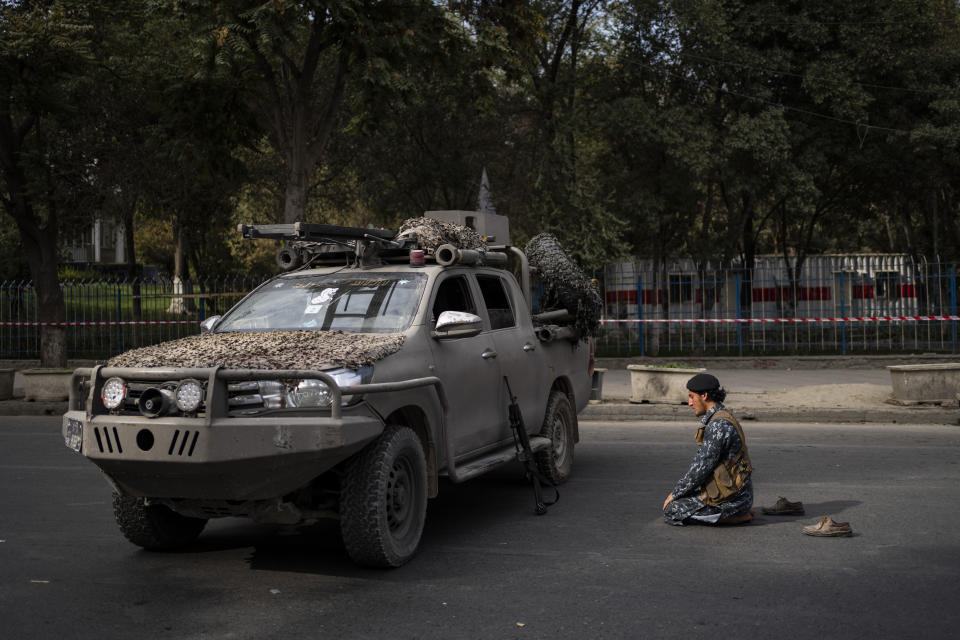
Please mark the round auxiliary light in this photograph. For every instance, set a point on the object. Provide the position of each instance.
(188, 395)
(114, 393)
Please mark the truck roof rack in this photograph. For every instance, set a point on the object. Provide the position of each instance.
(311, 232)
(324, 244)
(315, 243)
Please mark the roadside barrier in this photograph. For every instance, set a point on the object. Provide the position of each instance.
(104, 323)
(748, 320)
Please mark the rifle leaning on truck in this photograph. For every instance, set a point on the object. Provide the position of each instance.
(521, 440)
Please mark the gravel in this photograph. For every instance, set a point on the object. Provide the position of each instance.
(432, 233)
(265, 350)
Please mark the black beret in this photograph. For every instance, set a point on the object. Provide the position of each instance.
(703, 382)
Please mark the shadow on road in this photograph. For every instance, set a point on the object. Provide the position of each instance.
(317, 548)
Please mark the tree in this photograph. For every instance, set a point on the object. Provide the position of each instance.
(421, 144)
(298, 59)
(44, 53)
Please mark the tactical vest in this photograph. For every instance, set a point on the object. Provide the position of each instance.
(730, 476)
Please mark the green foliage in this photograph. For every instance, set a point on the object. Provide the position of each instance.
(717, 129)
(76, 274)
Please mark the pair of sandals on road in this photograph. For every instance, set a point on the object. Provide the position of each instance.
(826, 528)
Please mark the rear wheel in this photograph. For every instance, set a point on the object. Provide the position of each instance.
(154, 527)
(383, 500)
(556, 463)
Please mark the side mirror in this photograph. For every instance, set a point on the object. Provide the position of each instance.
(208, 325)
(457, 324)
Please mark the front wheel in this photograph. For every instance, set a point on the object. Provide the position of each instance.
(153, 526)
(556, 462)
(383, 500)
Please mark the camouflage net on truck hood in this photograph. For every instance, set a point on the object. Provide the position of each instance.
(265, 350)
(565, 286)
(432, 233)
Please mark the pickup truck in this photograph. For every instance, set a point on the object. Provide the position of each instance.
(343, 391)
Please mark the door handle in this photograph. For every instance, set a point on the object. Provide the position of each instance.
(528, 347)
(489, 353)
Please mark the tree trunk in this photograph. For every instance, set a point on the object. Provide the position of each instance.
(748, 242)
(40, 248)
(180, 303)
(50, 305)
(295, 198)
(133, 274)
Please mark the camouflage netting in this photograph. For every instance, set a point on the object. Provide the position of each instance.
(433, 233)
(564, 283)
(265, 350)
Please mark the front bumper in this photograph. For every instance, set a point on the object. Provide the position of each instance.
(219, 455)
(247, 458)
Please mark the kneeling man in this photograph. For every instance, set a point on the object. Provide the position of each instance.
(716, 488)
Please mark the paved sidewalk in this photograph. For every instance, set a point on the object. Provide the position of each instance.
(776, 391)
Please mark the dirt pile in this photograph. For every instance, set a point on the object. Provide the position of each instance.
(265, 350)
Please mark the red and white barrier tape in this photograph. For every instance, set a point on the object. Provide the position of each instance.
(105, 323)
(112, 323)
(750, 320)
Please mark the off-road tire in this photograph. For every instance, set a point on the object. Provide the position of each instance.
(556, 462)
(154, 527)
(383, 500)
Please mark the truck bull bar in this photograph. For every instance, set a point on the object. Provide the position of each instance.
(238, 375)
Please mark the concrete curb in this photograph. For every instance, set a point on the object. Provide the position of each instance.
(20, 407)
(624, 411)
(779, 362)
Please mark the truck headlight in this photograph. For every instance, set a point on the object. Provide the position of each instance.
(188, 395)
(272, 392)
(114, 392)
(316, 393)
(310, 393)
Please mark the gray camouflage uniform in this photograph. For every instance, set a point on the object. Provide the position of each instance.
(720, 442)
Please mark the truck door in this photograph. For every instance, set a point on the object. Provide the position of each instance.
(470, 370)
(516, 346)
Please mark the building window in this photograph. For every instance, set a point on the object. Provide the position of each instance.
(681, 287)
(888, 285)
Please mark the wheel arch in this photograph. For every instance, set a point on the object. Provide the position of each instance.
(564, 386)
(414, 417)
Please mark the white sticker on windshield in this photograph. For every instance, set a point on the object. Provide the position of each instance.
(325, 296)
(313, 308)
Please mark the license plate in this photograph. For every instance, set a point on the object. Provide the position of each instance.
(73, 434)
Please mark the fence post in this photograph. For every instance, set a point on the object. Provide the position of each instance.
(843, 313)
(739, 333)
(953, 308)
(119, 348)
(203, 289)
(640, 314)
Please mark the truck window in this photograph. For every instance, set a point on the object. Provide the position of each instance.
(453, 294)
(374, 303)
(497, 302)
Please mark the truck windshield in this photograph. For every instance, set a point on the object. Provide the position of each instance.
(369, 303)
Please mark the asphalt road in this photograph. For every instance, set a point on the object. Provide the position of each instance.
(600, 564)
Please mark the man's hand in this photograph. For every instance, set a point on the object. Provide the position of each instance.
(667, 501)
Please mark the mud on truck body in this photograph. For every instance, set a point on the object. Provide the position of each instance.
(344, 387)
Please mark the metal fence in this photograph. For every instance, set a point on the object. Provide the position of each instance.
(841, 304)
(106, 317)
